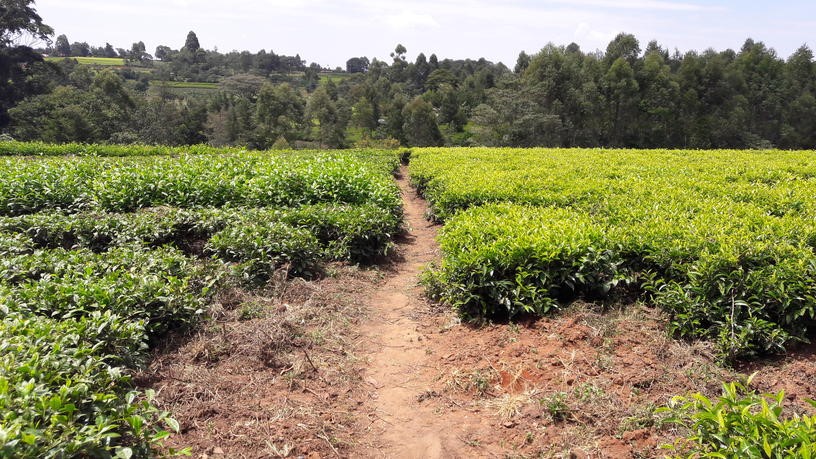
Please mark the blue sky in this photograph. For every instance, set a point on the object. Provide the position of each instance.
(329, 32)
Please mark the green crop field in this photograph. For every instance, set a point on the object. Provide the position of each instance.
(104, 252)
(725, 241)
(14, 148)
(99, 61)
(334, 77)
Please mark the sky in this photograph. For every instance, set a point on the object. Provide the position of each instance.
(331, 32)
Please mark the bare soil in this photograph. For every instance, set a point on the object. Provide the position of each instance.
(359, 364)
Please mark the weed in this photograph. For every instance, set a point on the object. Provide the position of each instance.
(556, 405)
(250, 310)
(587, 392)
(643, 417)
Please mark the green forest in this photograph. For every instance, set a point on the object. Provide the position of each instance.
(627, 95)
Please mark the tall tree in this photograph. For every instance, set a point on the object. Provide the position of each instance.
(323, 111)
(138, 52)
(279, 113)
(18, 18)
(622, 90)
(61, 47)
(18, 21)
(658, 101)
(191, 43)
(624, 46)
(80, 49)
(522, 63)
(419, 124)
(357, 65)
(109, 51)
(163, 52)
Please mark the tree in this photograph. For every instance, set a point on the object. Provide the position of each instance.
(80, 49)
(322, 110)
(514, 118)
(522, 63)
(659, 94)
(397, 70)
(799, 129)
(311, 76)
(421, 71)
(623, 46)
(357, 65)
(138, 52)
(109, 51)
(622, 89)
(419, 124)
(163, 53)
(191, 43)
(61, 47)
(399, 53)
(18, 19)
(762, 73)
(103, 112)
(363, 115)
(279, 113)
(245, 85)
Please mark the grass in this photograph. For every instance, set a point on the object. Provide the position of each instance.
(100, 61)
(334, 77)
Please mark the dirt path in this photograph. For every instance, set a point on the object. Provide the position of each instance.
(400, 375)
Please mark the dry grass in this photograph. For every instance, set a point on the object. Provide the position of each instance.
(272, 373)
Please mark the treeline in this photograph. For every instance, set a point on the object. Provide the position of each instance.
(624, 96)
(191, 62)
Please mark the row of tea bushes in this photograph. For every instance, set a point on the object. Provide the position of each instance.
(725, 241)
(101, 256)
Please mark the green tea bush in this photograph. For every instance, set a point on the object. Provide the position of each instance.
(240, 179)
(64, 393)
(357, 233)
(263, 248)
(100, 257)
(15, 148)
(505, 259)
(725, 241)
(740, 424)
(161, 288)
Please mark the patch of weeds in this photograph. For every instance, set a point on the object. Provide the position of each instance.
(603, 361)
(587, 392)
(556, 405)
(250, 310)
(317, 337)
(529, 438)
(472, 442)
(642, 417)
(480, 382)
